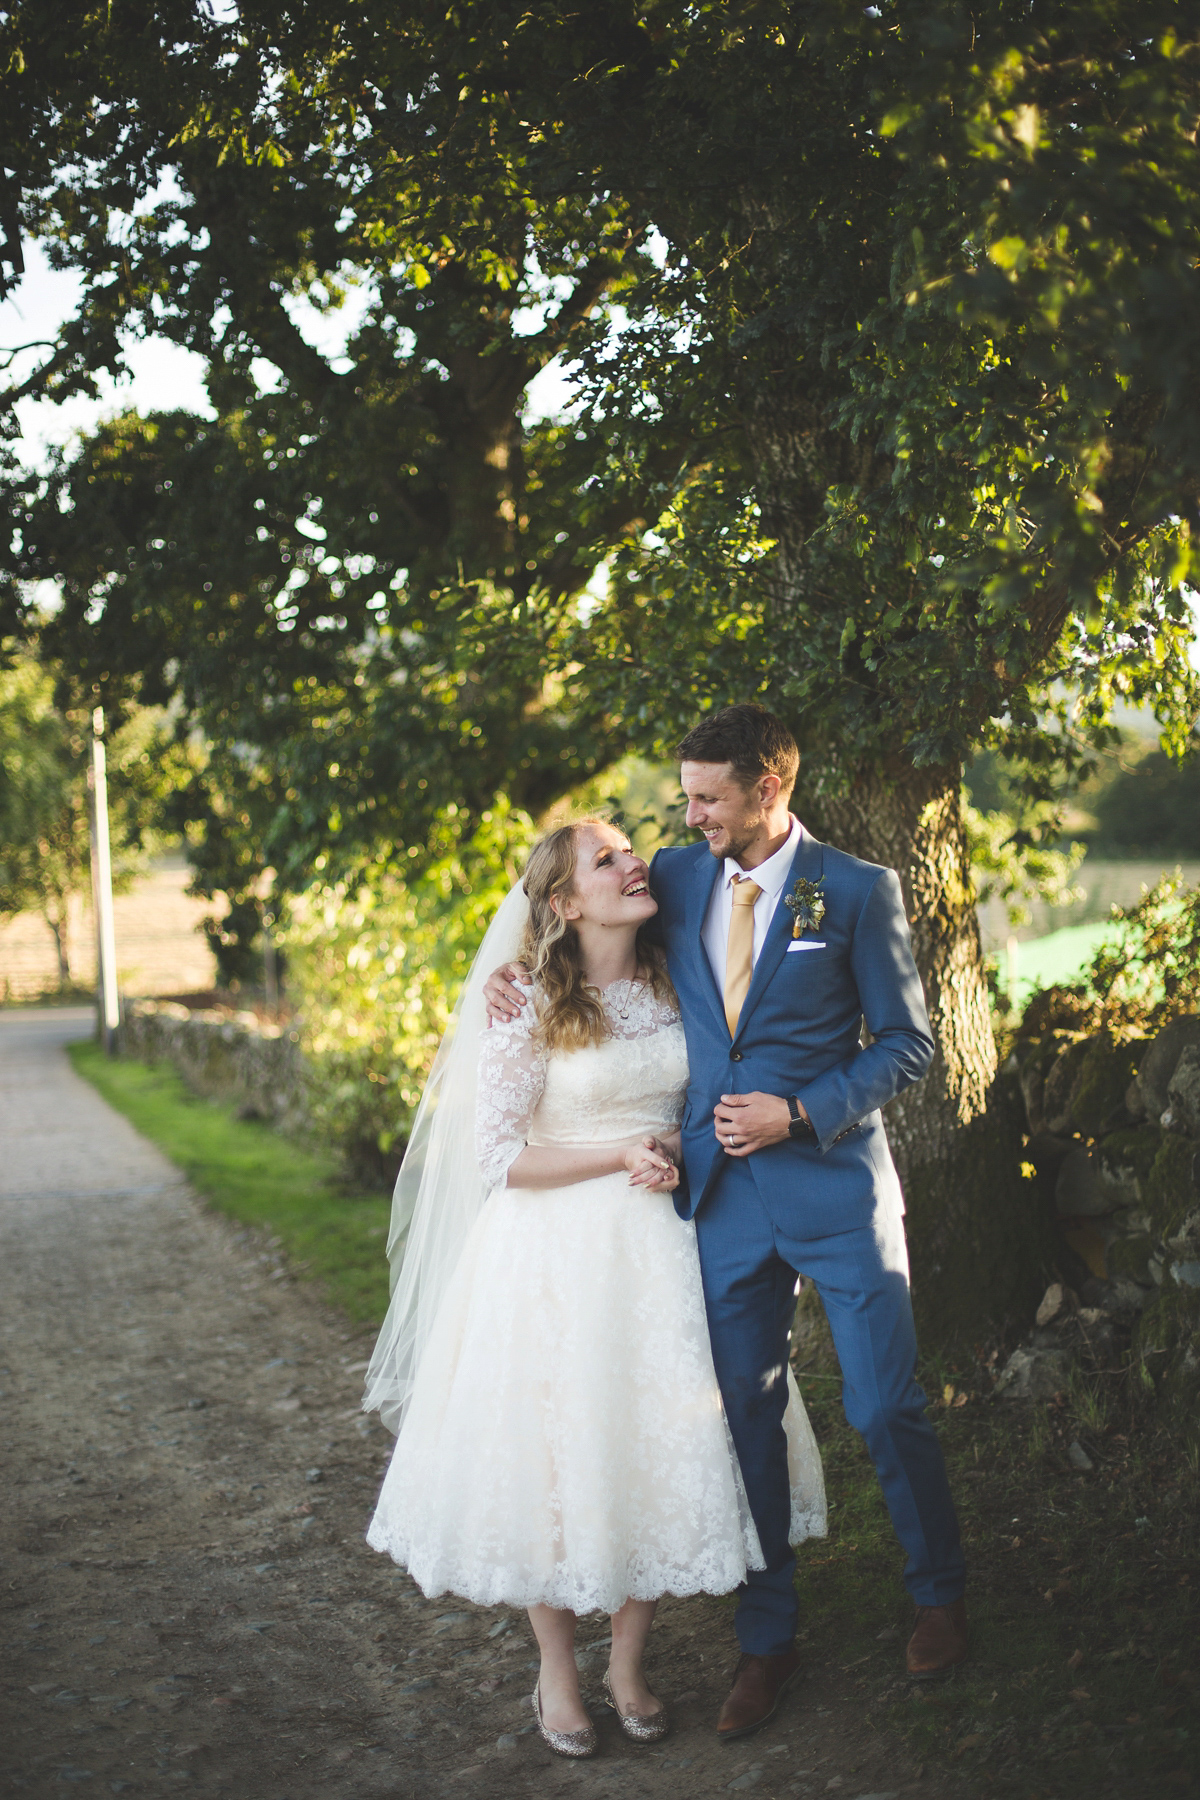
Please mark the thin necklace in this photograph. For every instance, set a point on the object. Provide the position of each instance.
(623, 1011)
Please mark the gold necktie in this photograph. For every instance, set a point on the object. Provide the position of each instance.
(739, 952)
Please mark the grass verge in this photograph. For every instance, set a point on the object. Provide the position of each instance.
(248, 1171)
(1084, 1677)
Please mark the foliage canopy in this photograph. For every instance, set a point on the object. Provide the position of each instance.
(881, 323)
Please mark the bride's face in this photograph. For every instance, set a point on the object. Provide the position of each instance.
(610, 886)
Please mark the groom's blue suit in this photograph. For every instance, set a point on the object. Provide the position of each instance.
(830, 1209)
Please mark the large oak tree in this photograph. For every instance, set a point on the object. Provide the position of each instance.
(883, 323)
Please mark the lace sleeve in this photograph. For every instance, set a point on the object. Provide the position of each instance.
(512, 1074)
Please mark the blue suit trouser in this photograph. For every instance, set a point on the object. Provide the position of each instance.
(749, 1266)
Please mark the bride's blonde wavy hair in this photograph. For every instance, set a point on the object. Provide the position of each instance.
(570, 1012)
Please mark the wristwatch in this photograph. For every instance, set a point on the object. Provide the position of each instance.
(801, 1130)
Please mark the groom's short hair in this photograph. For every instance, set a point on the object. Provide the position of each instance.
(749, 737)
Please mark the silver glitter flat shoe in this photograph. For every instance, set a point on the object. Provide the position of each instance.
(564, 1743)
(642, 1728)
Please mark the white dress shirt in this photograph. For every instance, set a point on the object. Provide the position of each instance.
(771, 876)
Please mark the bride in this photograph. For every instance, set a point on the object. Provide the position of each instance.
(545, 1360)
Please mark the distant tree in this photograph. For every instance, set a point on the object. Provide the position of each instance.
(43, 806)
(45, 853)
(1151, 809)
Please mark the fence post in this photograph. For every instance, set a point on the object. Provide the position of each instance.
(110, 1009)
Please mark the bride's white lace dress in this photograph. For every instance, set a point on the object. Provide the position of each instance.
(565, 1441)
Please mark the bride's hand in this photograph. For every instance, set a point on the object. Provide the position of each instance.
(651, 1165)
(504, 998)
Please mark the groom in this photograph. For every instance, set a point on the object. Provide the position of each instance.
(781, 949)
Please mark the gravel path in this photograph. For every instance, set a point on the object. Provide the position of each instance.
(187, 1600)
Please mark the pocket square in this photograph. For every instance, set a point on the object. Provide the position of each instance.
(806, 944)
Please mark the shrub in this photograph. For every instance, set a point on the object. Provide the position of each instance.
(375, 971)
(1147, 973)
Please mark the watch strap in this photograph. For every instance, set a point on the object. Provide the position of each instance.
(800, 1129)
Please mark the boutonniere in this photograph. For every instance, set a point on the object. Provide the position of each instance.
(806, 903)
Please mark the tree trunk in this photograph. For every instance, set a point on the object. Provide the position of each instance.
(58, 931)
(979, 1245)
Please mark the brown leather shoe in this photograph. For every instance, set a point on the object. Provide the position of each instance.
(939, 1641)
(759, 1682)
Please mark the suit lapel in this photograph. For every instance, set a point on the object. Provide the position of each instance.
(808, 861)
(704, 880)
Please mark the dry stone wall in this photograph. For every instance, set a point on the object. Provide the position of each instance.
(233, 1057)
(1114, 1138)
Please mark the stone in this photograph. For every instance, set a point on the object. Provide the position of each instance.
(1062, 1080)
(1186, 1241)
(1132, 1256)
(1169, 1189)
(313, 1475)
(1032, 1080)
(1034, 1374)
(1183, 1092)
(1161, 1059)
(1094, 1329)
(1135, 1105)
(1079, 1459)
(1186, 1274)
(1089, 1187)
(507, 1740)
(1128, 1157)
(1052, 1303)
(1045, 1151)
(1124, 1297)
(1097, 1100)
(750, 1779)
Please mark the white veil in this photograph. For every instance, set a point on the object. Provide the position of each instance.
(440, 1191)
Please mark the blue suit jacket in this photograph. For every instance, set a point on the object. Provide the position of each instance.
(800, 1032)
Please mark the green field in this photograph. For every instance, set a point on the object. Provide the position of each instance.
(329, 1233)
(1058, 959)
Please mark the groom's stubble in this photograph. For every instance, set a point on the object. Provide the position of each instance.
(749, 827)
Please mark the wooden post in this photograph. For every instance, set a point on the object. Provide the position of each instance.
(110, 1009)
(270, 964)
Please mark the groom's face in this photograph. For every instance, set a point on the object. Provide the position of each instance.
(731, 814)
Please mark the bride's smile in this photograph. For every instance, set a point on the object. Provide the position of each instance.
(610, 888)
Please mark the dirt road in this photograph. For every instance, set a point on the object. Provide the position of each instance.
(188, 1602)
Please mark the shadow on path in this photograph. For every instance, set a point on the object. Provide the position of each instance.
(188, 1600)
